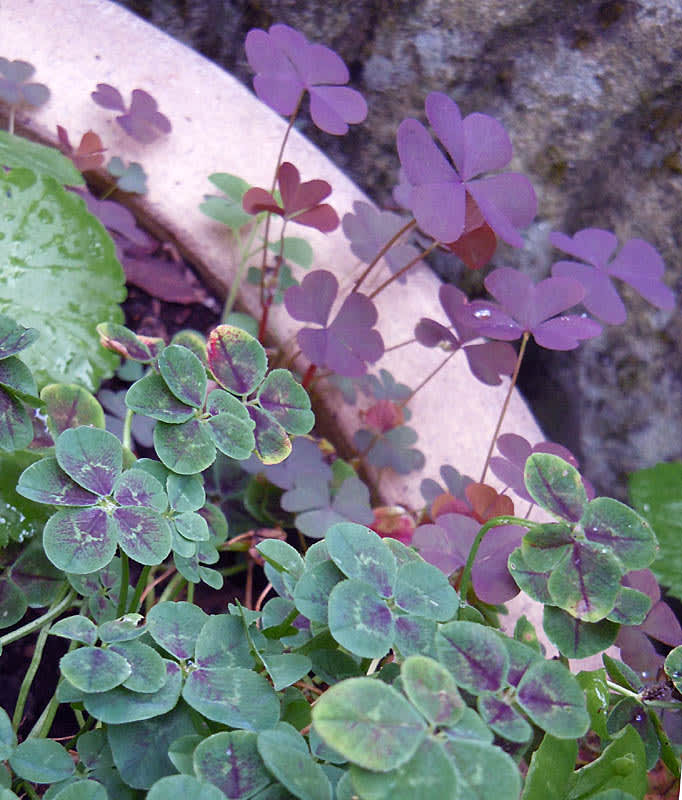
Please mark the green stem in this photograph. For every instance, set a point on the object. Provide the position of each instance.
(173, 588)
(42, 727)
(31, 627)
(139, 588)
(190, 592)
(125, 578)
(127, 430)
(28, 678)
(10, 127)
(244, 255)
(491, 523)
(522, 350)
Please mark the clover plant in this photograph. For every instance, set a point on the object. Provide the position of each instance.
(372, 663)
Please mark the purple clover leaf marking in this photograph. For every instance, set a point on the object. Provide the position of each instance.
(350, 341)
(287, 65)
(142, 120)
(437, 194)
(638, 264)
(368, 230)
(514, 450)
(300, 201)
(525, 308)
(487, 360)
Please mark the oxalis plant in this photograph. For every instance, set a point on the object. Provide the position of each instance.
(378, 668)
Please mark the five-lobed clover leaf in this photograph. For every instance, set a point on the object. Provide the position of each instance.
(142, 120)
(535, 309)
(104, 507)
(301, 202)
(487, 360)
(438, 190)
(287, 65)
(350, 340)
(638, 264)
(14, 89)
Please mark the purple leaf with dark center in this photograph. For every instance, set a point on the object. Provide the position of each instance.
(504, 720)
(391, 449)
(142, 121)
(474, 655)
(92, 457)
(525, 308)
(515, 451)
(350, 341)
(554, 700)
(13, 87)
(237, 360)
(638, 264)
(127, 343)
(369, 229)
(555, 485)
(287, 65)
(300, 201)
(437, 193)
(272, 443)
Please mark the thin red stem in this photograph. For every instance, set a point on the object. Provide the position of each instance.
(402, 271)
(309, 375)
(389, 244)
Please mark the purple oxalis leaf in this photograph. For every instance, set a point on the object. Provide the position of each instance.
(437, 194)
(287, 65)
(368, 230)
(13, 87)
(526, 308)
(638, 264)
(142, 121)
(350, 340)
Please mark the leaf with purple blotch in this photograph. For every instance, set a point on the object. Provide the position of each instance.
(346, 344)
(369, 229)
(69, 406)
(136, 487)
(531, 581)
(13, 87)
(555, 485)
(432, 690)
(128, 344)
(143, 534)
(586, 581)
(242, 774)
(92, 457)
(176, 627)
(14, 337)
(132, 178)
(638, 264)
(503, 719)
(361, 553)
(515, 450)
(272, 443)
(353, 600)
(554, 700)
(184, 374)
(17, 380)
(475, 656)
(287, 401)
(392, 449)
(576, 638)
(609, 523)
(544, 546)
(185, 448)
(142, 121)
(151, 397)
(237, 359)
(230, 424)
(436, 191)
(287, 65)
(80, 541)
(631, 607)
(301, 202)
(525, 308)
(16, 428)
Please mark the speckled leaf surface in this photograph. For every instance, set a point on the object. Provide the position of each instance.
(50, 240)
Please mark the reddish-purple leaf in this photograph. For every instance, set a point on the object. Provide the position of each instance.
(313, 299)
(89, 153)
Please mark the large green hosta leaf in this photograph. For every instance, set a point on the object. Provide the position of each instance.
(59, 274)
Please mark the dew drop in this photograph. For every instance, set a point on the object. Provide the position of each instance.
(482, 313)
(646, 507)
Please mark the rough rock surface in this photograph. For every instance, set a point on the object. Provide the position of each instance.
(591, 92)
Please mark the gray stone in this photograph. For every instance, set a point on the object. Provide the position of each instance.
(591, 93)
